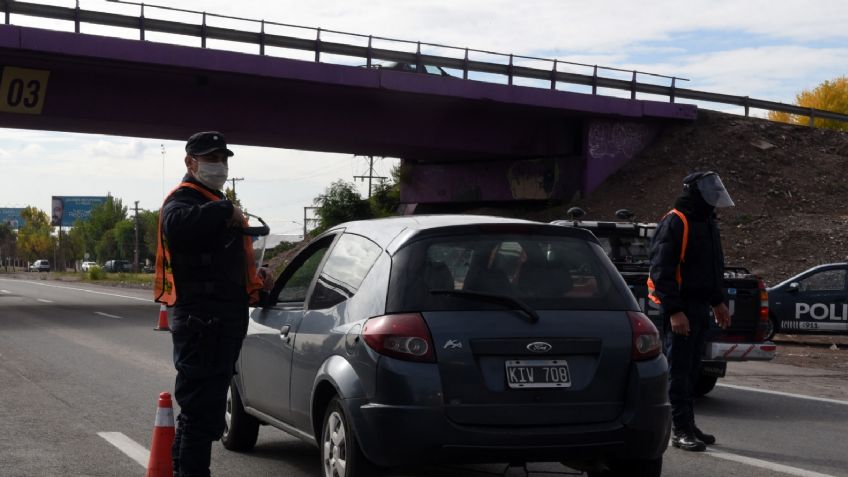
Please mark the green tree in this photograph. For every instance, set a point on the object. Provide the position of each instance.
(385, 197)
(148, 222)
(830, 96)
(34, 236)
(124, 233)
(102, 219)
(107, 247)
(8, 243)
(340, 202)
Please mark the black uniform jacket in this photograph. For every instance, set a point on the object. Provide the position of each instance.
(207, 257)
(702, 270)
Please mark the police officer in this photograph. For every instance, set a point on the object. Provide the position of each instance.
(686, 279)
(205, 270)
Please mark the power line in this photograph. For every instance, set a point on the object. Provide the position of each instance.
(370, 175)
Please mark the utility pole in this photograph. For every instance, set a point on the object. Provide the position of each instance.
(234, 179)
(306, 220)
(135, 259)
(370, 175)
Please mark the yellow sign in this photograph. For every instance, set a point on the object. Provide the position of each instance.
(23, 90)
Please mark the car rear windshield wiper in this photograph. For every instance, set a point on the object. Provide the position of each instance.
(501, 299)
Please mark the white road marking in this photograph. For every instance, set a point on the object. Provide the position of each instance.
(764, 464)
(107, 315)
(77, 289)
(42, 300)
(5, 291)
(781, 393)
(133, 449)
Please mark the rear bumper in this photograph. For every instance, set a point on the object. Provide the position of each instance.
(740, 351)
(394, 434)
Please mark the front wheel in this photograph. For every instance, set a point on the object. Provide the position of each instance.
(340, 452)
(241, 429)
(704, 385)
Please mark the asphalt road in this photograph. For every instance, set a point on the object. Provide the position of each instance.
(79, 360)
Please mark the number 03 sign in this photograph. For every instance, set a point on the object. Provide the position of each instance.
(23, 90)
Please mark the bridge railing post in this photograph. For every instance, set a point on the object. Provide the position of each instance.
(318, 46)
(812, 118)
(203, 32)
(418, 66)
(262, 38)
(673, 86)
(7, 10)
(510, 70)
(747, 105)
(141, 24)
(633, 86)
(369, 52)
(554, 75)
(595, 80)
(77, 18)
(465, 65)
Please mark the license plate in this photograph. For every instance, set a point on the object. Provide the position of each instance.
(537, 373)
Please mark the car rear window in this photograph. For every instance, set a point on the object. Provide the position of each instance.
(545, 271)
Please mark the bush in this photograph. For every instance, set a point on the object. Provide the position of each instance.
(96, 273)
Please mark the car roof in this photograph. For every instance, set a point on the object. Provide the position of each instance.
(391, 233)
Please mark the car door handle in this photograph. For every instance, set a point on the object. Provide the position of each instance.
(284, 333)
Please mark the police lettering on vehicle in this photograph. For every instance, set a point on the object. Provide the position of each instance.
(822, 311)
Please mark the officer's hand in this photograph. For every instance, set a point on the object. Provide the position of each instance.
(264, 274)
(237, 219)
(722, 315)
(680, 324)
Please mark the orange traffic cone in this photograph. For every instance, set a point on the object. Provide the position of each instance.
(163, 319)
(160, 463)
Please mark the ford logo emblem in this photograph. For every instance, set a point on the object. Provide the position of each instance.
(539, 347)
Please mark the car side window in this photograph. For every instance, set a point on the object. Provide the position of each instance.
(347, 265)
(297, 285)
(828, 280)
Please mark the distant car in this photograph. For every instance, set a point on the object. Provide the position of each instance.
(40, 266)
(86, 266)
(116, 266)
(814, 301)
(454, 338)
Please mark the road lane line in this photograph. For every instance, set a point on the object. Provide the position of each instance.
(5, 291)
(107, 315)
(785, 394)
(133, 449)
(764, 464)
(42, 300)
(77, 289)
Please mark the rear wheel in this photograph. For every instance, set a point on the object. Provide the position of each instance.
(631, 468)
(771, 328)
(241, 428)
(340, 452)
(704, 385)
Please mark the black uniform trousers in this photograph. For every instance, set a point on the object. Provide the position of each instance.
(205, 352)
(684, 363)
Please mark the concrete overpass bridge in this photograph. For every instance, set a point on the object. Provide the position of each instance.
(459, 139)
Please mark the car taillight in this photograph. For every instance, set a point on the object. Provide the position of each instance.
(403, 336)
(646, 338)
(764, 313)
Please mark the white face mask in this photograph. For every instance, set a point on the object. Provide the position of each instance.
(212, 174)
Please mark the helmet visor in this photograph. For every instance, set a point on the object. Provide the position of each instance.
(713, 191)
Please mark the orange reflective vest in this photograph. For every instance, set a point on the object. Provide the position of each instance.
(651, 288)
(164, 289)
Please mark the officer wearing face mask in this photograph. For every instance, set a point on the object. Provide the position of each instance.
(687, 280)
(205, 270)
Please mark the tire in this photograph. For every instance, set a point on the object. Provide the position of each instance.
(241, 429)
(704, 385)
(772, 328)
(341, 455)
(631, 468)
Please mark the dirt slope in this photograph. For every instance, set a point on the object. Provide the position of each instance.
(789, 184)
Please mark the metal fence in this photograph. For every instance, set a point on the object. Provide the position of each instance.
(601, 77)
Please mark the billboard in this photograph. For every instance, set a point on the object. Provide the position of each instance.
(68, 209)
(11, 216)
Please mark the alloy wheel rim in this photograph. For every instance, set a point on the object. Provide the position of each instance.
(228, 412)
(335, 446)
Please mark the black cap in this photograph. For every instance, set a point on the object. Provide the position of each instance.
(206, 142)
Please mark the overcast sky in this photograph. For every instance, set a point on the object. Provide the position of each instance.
(763, 49)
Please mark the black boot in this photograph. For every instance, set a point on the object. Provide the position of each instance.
(707, 439)
(686, 440)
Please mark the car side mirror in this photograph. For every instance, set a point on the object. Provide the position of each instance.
(794, 287)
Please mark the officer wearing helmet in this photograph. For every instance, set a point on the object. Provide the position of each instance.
(686, 280)
(205, 269)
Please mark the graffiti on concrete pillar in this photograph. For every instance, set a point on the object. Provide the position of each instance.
(533, 179)
(613, 139)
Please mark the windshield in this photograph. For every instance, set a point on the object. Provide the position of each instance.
(545, 272)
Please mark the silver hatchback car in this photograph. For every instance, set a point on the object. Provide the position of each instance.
(455, 338)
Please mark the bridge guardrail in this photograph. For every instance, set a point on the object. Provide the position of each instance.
(417, 58)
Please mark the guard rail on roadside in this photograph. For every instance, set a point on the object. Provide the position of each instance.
(369, 54)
